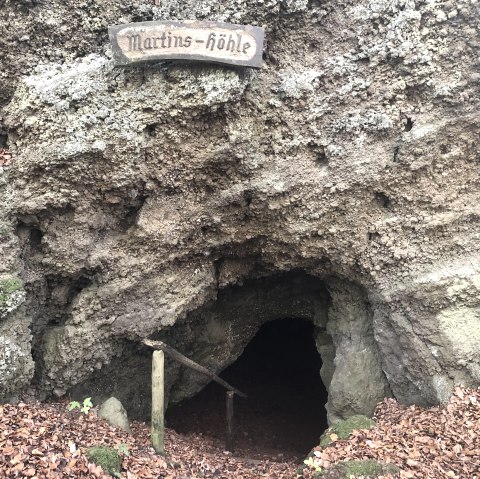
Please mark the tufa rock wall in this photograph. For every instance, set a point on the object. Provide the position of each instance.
(139, 196)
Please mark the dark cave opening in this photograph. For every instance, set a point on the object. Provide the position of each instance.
(279, 371)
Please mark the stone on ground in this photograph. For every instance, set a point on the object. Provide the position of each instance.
(363, 469)
(114, 413)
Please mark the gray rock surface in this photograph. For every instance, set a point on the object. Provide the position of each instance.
(114, 413)
(139, 196)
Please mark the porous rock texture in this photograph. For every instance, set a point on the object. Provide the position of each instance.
(194, 202)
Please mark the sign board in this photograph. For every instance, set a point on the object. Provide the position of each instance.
(215, 42)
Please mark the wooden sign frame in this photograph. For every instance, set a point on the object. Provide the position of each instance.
(214, 42)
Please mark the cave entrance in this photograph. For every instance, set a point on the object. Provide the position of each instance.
(279, 370)
(264, 334)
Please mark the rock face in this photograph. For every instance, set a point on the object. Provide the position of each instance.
(193, 203)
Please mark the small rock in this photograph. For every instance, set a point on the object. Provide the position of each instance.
(114, 413)
(441, 17)
(452, 14)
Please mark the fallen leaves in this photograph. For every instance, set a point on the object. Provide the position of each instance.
(36, 440)
(43, 441)
(439, 442)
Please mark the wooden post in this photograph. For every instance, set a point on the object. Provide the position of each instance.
(158, 393)
(230, 442)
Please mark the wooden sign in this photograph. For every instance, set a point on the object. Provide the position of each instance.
(215, 42)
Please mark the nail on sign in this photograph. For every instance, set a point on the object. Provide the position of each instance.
(214, 42)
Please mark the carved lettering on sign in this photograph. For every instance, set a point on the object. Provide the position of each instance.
(214, 42)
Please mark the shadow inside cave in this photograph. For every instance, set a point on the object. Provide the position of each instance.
(279, 370)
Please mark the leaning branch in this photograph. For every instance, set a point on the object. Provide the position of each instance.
(177, 356)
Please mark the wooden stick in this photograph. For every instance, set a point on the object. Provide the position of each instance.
(174, 354)
(158, 392)
(230, 442)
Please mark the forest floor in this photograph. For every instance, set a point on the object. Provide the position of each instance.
(43, 440)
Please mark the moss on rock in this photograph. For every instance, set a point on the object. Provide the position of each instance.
(9, 286)
(106, 457)
(11, 294)
(343, 429)
(365, 468)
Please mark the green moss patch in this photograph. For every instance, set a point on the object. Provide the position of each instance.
(343, 429)
(9, 286)
(107, 458)
(366, 468)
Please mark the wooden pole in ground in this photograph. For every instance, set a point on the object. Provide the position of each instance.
(158, 394)
(230, 441)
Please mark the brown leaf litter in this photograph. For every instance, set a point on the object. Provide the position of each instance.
(45, 441)
(438, 442)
